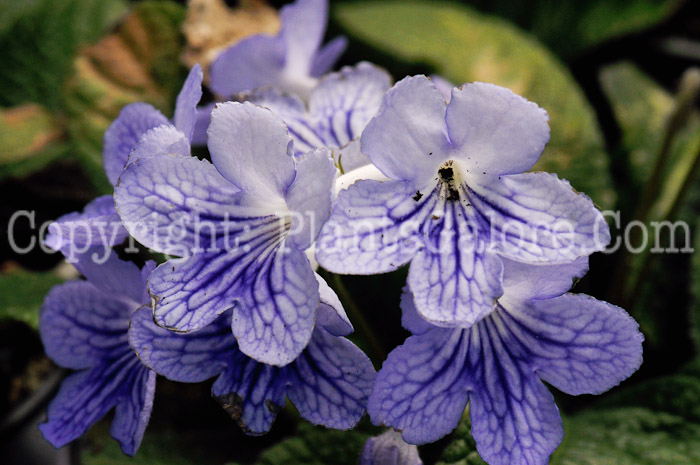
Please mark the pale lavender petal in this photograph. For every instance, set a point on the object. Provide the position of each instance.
(523, 281)
(160, 141)
(331, 315)
(421, 389)
(275, 318)
(514, 418)
(455, 281)
(330, 381)
(350, 157)
(389, 449)
(578, 344)
(189, 358)
(80, 325)
(98, 226)
(87, 396)
(443, 86)
(251, 393)
(253, 62)
(494, 130)
(187, 100)
(407, 140)
(303, 26)
(249, 145)
(201, 124)
(373, 228)
(410, 318)
(132, 413)
(536, 217)
(327, 56)
(179, 205)
(310, 196)
(124, 133)
(116, 278)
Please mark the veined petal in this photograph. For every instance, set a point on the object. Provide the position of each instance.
(253, 62)
(523, 281)
(536, 217)
(159, 141)
(407, 140)
(187, 100)
(80, 325)
(251, 392)
(494, 130)
(179, 205)
(275, 317)
(201, 124)
(350, 157)
(327, 56)
(514, 418)
(249, 145)
(116, 278)
(331, 315)
(132, 413)
(98, 225)
(124, 133)
(303, 26)
(455, 281)
(330, 381)
(373, 228)
(410, 318)
(421, 389)
(310, 196)
(578, 344)
(189, 358)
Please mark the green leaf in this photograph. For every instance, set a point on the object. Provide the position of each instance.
(23, 293)
(462, 450)
(463, 46)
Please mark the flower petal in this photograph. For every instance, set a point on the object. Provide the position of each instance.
(80, 325)
(132, 413)
(119, 279)
(522, 281)
(98, 225)
(578, 344)
(188, 358)
(350, 157)
(187, 100)
(159, 141)
(407, 140)
(421, 389)
(373, 228)
(330, 381)
(331, 315)
(251, 392)
(275, 318)
(303, 27)
(327, 56)
(494, 130)
(514, 418)
(249, 145)
(454, 280)
(389, 449)
(255, 61)
(310, 197)
(536, 217)
(124, 133)
(201, 124)
(410, 318)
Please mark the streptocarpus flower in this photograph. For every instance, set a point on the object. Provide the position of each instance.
(83, 326)
(457, 199)
(242, 225)
(328, 383)
(138, 124)
(389, 449)
(574, 342)
(291, 61)
(338, 110)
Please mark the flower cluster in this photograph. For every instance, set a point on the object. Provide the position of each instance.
(362, 177)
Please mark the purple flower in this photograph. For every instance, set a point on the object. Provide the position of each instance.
(290, 61)
(389, 449)
(83, 326)
(457, 199)
(577, 344)
(337, 112)
(136, 126)
(328, 383)
(242, 225)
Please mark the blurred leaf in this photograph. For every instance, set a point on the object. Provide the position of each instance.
(140, 61)
(23, 293)
(694, 316)
(462, 450)
(38, 40)
(464, 46)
